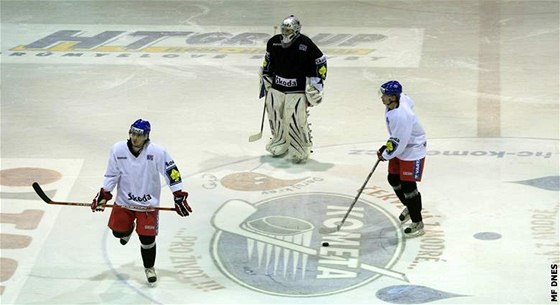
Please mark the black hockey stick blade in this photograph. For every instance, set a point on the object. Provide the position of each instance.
(46, 199)
(40, 192)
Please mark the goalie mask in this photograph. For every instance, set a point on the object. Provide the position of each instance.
(290, 29)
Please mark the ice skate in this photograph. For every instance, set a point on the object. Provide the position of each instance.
(414, 229)
(151, 275)
(405, 216)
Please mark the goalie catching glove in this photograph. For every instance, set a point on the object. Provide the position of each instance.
(181, 205)
(314, 90)
(98, 203)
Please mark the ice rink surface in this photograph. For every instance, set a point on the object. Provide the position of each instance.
(485, 78)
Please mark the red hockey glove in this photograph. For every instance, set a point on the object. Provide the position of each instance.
(98, 203)
(380, 153)
(181, 205)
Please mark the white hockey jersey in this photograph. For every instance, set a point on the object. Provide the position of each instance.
(137, 178)
(407, 139)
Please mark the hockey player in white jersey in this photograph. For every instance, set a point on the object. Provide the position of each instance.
(134, 168)
(292, 77)
(406, 151)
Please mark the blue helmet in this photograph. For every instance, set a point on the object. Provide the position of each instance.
(391, 88)
(140, 127)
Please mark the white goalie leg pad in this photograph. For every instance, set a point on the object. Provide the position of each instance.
(299, 134)
(275, 100)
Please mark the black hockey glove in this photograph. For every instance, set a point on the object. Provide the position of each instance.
(181, 205)
(380, 153)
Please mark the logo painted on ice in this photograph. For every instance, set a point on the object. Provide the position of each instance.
(274, 246)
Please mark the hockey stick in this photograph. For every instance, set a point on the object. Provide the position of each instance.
(324, 230)
(46, 199)
(257, 136)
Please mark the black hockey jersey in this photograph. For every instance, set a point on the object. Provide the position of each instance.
(289, 67)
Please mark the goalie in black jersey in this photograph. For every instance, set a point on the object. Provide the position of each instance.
(292, 77)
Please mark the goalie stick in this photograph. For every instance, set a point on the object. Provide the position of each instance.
(258, 136)
(325, 230)
(46, 199)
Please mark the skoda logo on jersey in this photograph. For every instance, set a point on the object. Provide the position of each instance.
(286, 82)
(144, 198)
(274, 246)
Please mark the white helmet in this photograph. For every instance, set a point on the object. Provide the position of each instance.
(290, 28)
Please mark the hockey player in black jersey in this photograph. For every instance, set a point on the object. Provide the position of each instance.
(292, 77)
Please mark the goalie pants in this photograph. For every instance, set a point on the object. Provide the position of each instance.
(287, 115)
